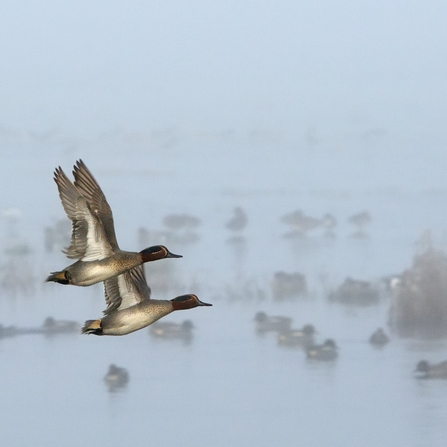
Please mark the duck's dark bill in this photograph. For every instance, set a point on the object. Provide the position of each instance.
(172, 255)
(201, 303)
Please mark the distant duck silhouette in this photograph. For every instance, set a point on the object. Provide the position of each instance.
(302, 338)
(327, 351)
(299, 223)
(181, 221)
(379, 338)
(265, 323)
(181, 228)
(356, 293)
(288, 285)
(360, 220)
(49, 327)
(8, 331)
(52, 326)
(239, 220)
(116, 377)
(170, 330)
(437, 371)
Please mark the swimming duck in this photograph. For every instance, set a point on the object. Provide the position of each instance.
(129, 307)
(356, 292)
(326, 351)
(288, 285)
(437, 371)
(298, 337)
(8, 331)
(93, 240)
(379, 338)
(116, 377)
(172, 330)
(51, 326)
(264, 323)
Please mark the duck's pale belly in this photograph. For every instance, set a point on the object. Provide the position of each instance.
(134, 318)
(89, 273)
(95, 274)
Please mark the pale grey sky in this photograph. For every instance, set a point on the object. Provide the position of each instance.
(82, 68)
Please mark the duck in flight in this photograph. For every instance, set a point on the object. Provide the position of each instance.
(93, 239)
(130, 307)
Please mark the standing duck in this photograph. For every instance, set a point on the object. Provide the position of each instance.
(130, 307)
(93, 240)
(437, 371)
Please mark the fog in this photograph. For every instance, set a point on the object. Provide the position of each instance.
(198, 109)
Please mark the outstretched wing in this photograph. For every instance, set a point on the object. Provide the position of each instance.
(126, 290)
(90, 189)
(88, 238)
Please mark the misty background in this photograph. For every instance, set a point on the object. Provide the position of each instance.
(197, 108)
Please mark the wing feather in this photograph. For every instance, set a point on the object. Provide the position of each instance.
(88, 238)
(90, 189)
(126, 290)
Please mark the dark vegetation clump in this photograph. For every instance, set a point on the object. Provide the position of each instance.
(419, 297)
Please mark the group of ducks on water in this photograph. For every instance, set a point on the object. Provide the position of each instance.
(304, 338)
(127, 294)
(117, 377)
(300, 224)
(52, 327)
(99, 259)
(49, 327)
(183, 228)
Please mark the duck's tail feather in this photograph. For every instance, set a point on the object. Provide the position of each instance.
(60, 277)
(92, 327)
